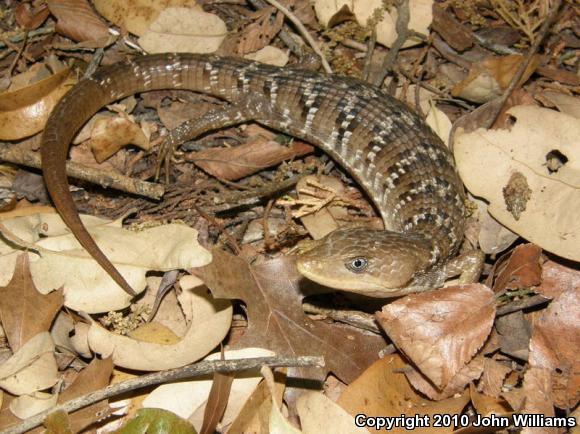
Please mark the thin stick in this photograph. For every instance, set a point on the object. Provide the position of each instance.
(524, 65)
(402, 34)
(304, 32)
(105, 178)
(190, 371)
(33, 33)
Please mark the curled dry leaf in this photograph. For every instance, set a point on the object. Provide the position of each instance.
(112, 133)
(316, 410)
(554, 346)
(567, 104)
(421, 15)
(184, 30)
(31, 368)
(31, 18)
(76, 20)
(440, 331)
(533, 147)
(136, 16)
(28, 405)
(24, 111)
(270, 55)
(62, 263)
(212, 319)
(488, 79)
(383, 390)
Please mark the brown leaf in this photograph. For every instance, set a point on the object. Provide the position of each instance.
(486, 405)
(261, 32)
(488, 78)
(451, 30)
(76, 20)
(557, 279)
(251, 157)
(522, 269)
(470, 372)
(216, 401)
(514, 334)
(440, 331)
(273, 295)
(554, 346)
(382, 390)
(24, 311)
(94, 377)
(30, 18)
(538, 400)
(491, 381)
(255, 414)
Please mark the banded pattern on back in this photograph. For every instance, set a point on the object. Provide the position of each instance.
(403, 166)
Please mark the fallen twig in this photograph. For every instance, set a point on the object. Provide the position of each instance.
(402, 27)
(105, 178)
(190, 371)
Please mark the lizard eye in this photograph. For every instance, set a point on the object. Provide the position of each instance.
(357, 265)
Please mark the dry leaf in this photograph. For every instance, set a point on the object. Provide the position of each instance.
(488, 78)
(451, 30)
(62, 263)
(255, 414)
(538, 400)
(24, 311)
(277, 424)
(253, 156)
(494, 374)
(522, 269)
(32, 368)
(260, 33)
(110, 134)
(554, 347)
(184, 30)
(456, 385)
(567, 104)
(212, 320)
(514, 333)
(421, 15)
(440, 331)
(76, 20)
(136, 16)
(318, 414)
(30, 18)
(269, 55)
(487, 405)
(550, 216)
(383, 390)
(92, 378)
(328, 218)
(557, 278)
(273, 293)
(29, 405)
(23, 112)
(188, 399)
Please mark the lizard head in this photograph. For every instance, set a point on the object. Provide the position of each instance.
(369, 262)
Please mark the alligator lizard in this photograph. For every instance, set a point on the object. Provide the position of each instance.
(402, 165)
